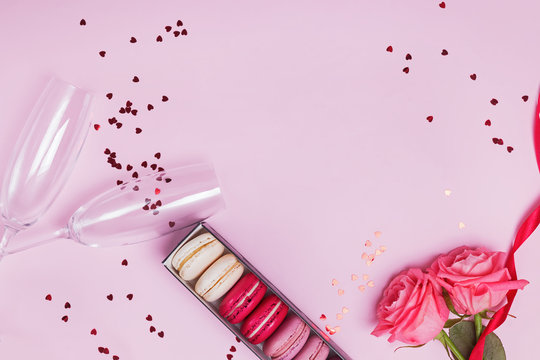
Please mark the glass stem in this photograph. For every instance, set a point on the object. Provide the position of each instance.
(443, 337)
(8, 234)
(27, 244)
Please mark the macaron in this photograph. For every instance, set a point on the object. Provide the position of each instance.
(196, 255)
(315, 349)
(219, 278)
(288, 339)
(264, 320)
(242, 299)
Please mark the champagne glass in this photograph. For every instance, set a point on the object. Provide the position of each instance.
(44, 156)
(143, 209)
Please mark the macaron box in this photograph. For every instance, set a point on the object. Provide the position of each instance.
(245, 301)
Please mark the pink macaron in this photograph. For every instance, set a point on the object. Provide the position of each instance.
(264, 320)
(288, 339)
(242, 299)
(315, 349)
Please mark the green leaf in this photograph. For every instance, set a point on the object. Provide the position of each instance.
(451, 322)
(464, 337)
(448, 302)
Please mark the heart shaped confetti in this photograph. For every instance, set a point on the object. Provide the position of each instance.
(509, 149)
(125, 262)
(149, 318)
(389, 49)
(229, 356)
(473, 76)
(157, 155)
(488, 122)
(102, 53)
(97, 126)
(48, 297)
(109, 96)
(406, 70)
(429, 118)
(442, 5)
(157, 191)
(171, 224)
(159, 38)
(135, 79)
(67, 305)
(161, 334)
(110, 297)
(152, 329)
(129, 297)
(444, 52)
(494, 101)
(82, 22)
(150, 107)
(176, 33)
(164, 98)
(65, 318)
(408, 57)
(525, 98)
(132, 40)
(168, 28)
(232, 349)
(184, 32)
(138, 130)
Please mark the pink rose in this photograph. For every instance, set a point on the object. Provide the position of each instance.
(412, 309)
(476, 279)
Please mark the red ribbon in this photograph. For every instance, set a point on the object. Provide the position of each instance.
(525, 230)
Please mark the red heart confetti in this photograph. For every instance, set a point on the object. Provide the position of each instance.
(134, 112)
(149, 318)
(93, 332)
(442, 5)
(444, 52)
(495, 140)
(406, 70)
(157, 191)
(135, 188)
(109, 96)
(164, 98)
(525, 98)
(119, 182)
(107, 151)
(118, 125)
(144, 164)
(133, 40)
(184, 32)
(110, 297)
(158, 203)
(168, 28)
(232, 349)
(82, 22)
(168, 180)
(125, 262)
(237, 339)
(176, 33)
(150, 107)
(102, 53)
(161, 334)
(135, 175)
(157, 155)
(501, 142)
(488, 122)
(153, 166)
(112, 120)
(106, 350)
(128, 103)
(322, 317)
(390, 48)
(152, 329)
(494, 101)
(159, 38)
(135, 79)
(179, 23)
(229, 356)
(171, 224)
(509, 149)
(429, 118)
(65, 318)
(100, 349)
(129, 297)
(128, 168)
(67, 305)
(146, 207)
(160, 168)
(138, 130)
(408, 57)
(115, 357)
(473, 76)
(48, 297)
(97, 126)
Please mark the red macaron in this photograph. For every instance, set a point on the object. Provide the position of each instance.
(265, 319)
(242, 298)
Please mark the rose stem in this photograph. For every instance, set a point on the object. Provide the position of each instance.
(478, 325)
(444, 337)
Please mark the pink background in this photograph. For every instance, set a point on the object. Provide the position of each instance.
(318, 138)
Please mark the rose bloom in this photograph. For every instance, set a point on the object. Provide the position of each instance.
(412, 309)
(476, 279)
